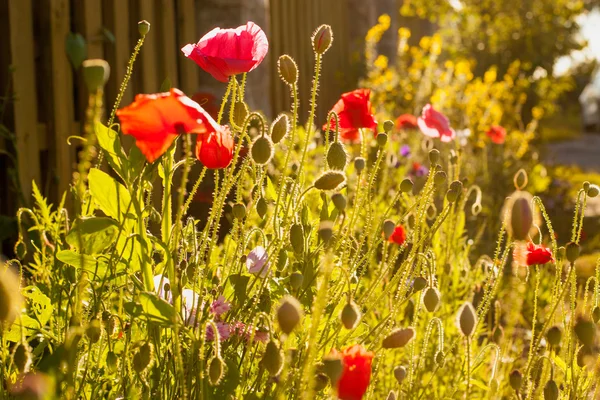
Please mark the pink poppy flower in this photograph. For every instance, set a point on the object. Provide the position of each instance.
(219, 306)
(257, 261)
(226, 52)
(223, 329)
(435, 124)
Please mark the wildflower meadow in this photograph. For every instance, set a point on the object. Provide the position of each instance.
(400, 248)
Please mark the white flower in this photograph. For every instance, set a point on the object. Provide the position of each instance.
(257, 261)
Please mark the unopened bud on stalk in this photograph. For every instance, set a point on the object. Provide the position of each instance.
(406, 185)
(551, 391)
(297, 238)
(111, 361)
(339, 201)
(439, 357)
(350, 315)
(289, 314)
(400, 374)
(262, 150)
(326, 230)
(585, 331)
(238, 210)
(95, 74)
(388, 228)
(143, 27)
(216, 369)
(288, 70)
(431, 299)
(240, 112)
(359, 164)
(329, 180)
(280, 128)
(143, 357)
(93, 331)
(388, 126)
(434, 156)
(520, 216)
(337, 156)
(554, 335)
(586, 185)
(572, 251)
(593, 191)
(419, 284)
(439, 177)
(515, 379)
(398, 338)
(262, 207)
(296, 280)
(382, 139)
(333, 366)
(467, 319)
(321, 39)
(273, 358)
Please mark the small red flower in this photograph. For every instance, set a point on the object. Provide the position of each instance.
(226, 52)
(435, 124)
(406, 121)
(155, 120)
(399, 235)
(354, 112)
(215, 150)
(497, 134)
(355, 379)
(538, 254)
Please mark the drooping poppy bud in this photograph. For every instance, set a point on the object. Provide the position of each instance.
(273, 358)
(216, 369)
(398, 338)
(554, 335)
(143, 357)
(350, 315)
(333, 366)
(467, 319)
(280, 128)
(400, 374)
(289, 314)
(515, 379)
(431, 299)
(262, 150)
(337, 156)
(339, 201)
(551, 391)
(330, 180)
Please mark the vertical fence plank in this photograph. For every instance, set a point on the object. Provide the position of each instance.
(167, 50)
(186, 29)
(25, 107)
(92, 27)
(149, 71)
(116, 15)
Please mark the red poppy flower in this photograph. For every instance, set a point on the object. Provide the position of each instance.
(215, 150)
(435, 124)
(399, 235)
(497, 134)
(355, 378)
(406, 121)
(538, 254)
(226, 52)
(155, 120)
(209, 102)
(354, 112)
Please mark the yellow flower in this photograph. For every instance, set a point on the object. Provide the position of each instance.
(404, 33)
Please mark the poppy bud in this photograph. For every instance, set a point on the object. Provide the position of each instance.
(497, 334)
(262, 150)
(337, 156)
(111, 361)
(406, 185)
(22, 357)
(456, 186)
(515, 379)
(388, 228)
(359, 164)
(280, 128)
(10, 295)
(321, 381)
(288, 70)
(273, 358)
(572, 251)
(521, 215)
(398, 338)
(350, 315)
(296, 280)
(321, 39)
(326, 230)
(143, 27)
(593, 191)
(585, 331)
(329, 180)
(240, 112)
(554, 336)
(382, 139)
(419, 284)
(467, 319)
(551, 391)
(297, 238)
(333, 366)
(439, 177)
(262, 207)
(216, 368)
(95, 74)
(94, 331)
(586, 185)
(388, 126)
(434, 156)
(596, 314)
(289, 314)
(143, 357)
(400, 374)
(439, 357)
(238, 210)
(431, 299)
(391, 395)
(339, 201)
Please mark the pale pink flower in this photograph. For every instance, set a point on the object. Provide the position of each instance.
(219, 306)
(190, 304)
(435, 124)
(223, 329)
(257, 261)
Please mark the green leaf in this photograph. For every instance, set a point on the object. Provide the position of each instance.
(270, 192)
(95, 233)
(157, 310)
(240, 283)
(39, 311)
(42, 205)
(76, 49)
(109, 141)
(109, 195)
(84, 262)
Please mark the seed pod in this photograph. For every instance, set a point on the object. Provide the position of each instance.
(262, 150)
(240, 112)
(350, 315)
(289, 314)
(321, 39)
(262, 207)
(326, 230)
(297, 238)
(296, 280)
(431, 299)
(111, 361)
(330, 180)
(585, 331)
(143, 357)
(400, 374)
(22, 357)
(439, 177)
(382, 139)
(572, 251)
(551, 391)
(333, 366)
(419, 284)
(273, 358)
(596, 314)
(515, 379)
(467, 319)
(216, 368)
(238, 210)
(520, 216)
(388, 228)
(93, 331)
(391, 395)
(434, 156)
(321, 381)
(593, 191)
(398, 338)
(339, 201)
(388, 126)
(554, 335)
(280, 128)
(143, 27)
(406, 185)
(337, 156)
(10, 295)
(288, 70)
(95, 74)
(359, 164)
